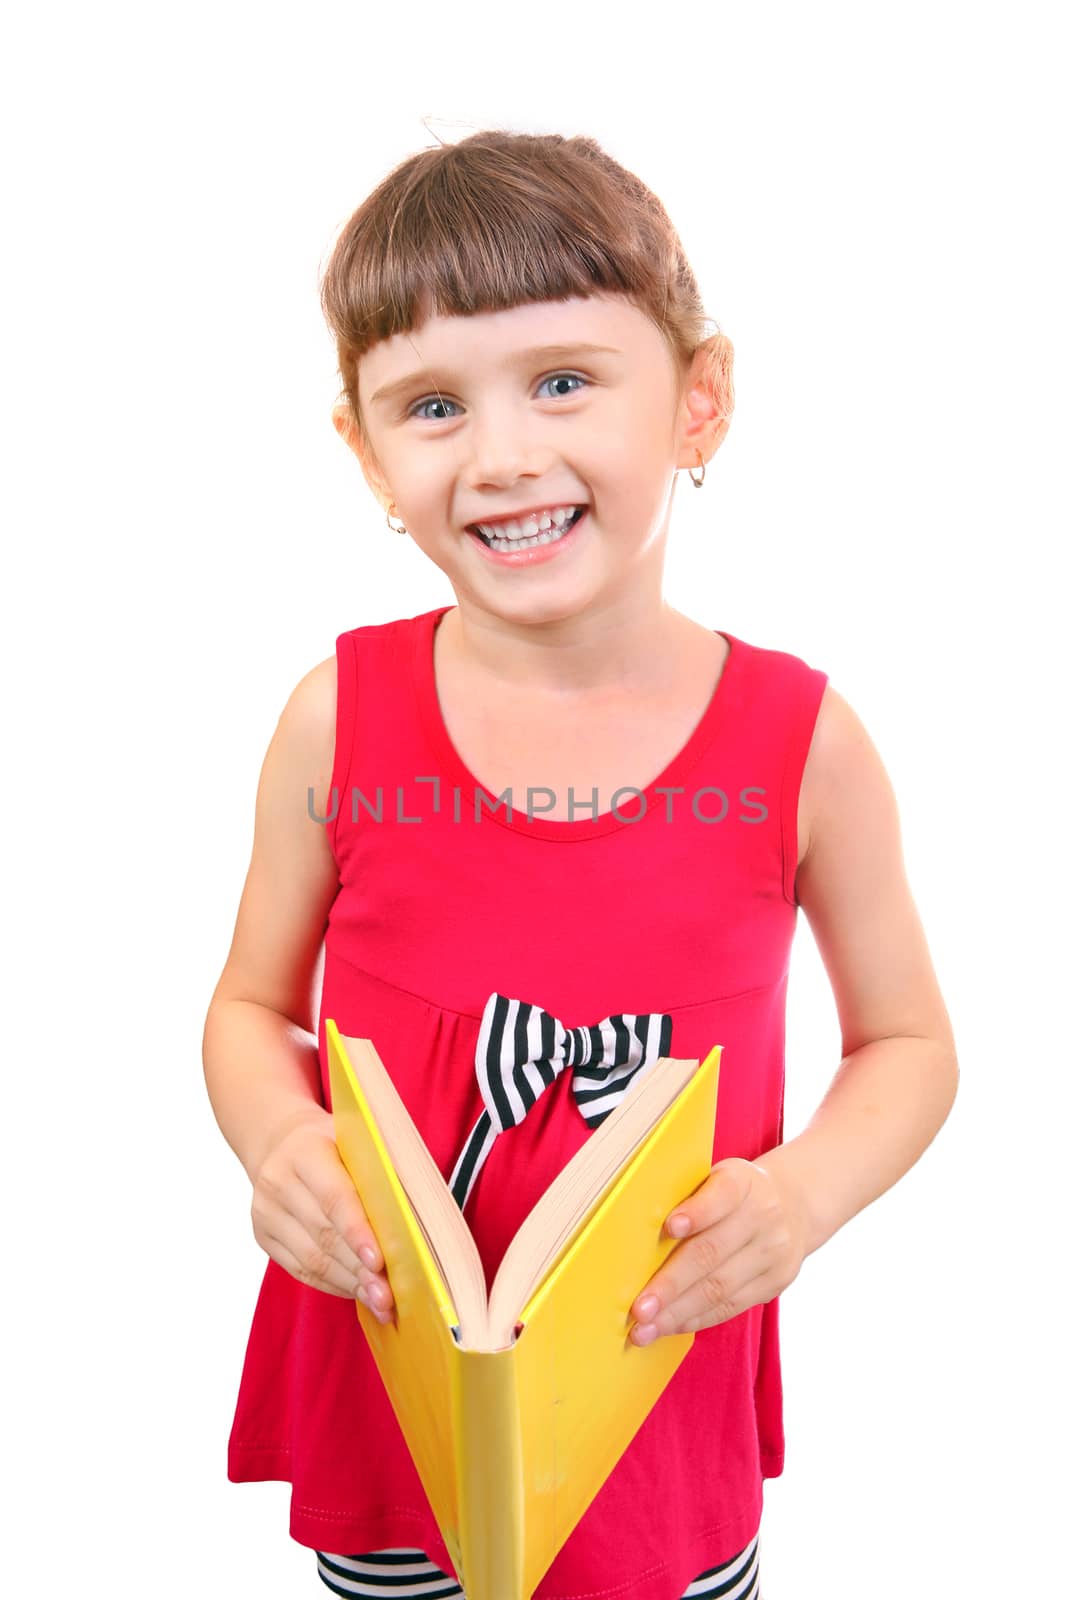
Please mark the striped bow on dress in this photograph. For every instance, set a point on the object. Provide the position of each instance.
(521, 1050)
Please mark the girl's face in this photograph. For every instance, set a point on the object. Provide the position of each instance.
(469, 420)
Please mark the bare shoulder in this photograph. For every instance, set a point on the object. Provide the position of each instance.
(308, 724)
(292, 876)
(852, 886)
(843, 766)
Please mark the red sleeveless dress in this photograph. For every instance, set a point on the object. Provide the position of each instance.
(679, 901)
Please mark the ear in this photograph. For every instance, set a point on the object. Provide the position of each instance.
(341, 417)
(343, 421)
(708, 402)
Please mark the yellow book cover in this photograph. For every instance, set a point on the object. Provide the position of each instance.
(516, 1410)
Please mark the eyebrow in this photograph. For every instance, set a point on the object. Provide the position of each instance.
(552, 352)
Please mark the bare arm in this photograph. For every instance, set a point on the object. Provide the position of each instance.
(259, 1050)
(898, 1075)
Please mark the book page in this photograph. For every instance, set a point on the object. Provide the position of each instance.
(577, 1190)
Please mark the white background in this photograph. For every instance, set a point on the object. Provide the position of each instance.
(872, 201)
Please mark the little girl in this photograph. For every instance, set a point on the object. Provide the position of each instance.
(553, 832)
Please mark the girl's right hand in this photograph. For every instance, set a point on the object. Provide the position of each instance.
(307, 1216)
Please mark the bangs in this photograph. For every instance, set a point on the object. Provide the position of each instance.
(500, 220)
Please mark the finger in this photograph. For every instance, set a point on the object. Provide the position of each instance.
(704, 1255)
(713, 1299)
(315, 1280)
(372, 1288)
(293, 1249)
(289, 1247)
(339, 1216)
(294, 1217)
(725, 1189)
(334, 1202)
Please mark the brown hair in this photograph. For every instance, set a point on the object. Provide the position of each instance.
(501, 219)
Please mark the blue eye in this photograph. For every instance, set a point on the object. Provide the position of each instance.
(439, 400)
(571, 377)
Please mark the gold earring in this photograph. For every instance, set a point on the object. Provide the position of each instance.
(388, 524)
(698, 482)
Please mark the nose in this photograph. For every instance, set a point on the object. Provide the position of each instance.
(502, 452)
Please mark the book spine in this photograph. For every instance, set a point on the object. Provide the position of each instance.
(489, 1477)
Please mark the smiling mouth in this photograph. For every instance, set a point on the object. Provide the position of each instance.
(549, 536)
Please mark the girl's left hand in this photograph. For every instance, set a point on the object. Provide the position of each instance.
(747, 1241)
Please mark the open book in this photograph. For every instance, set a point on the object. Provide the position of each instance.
(517, 1406)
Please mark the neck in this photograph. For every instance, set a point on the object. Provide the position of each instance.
(630, 649)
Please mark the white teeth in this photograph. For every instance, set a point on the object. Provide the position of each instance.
(555, 525)
(529, 527)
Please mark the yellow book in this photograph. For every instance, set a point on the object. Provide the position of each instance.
(517, 1406)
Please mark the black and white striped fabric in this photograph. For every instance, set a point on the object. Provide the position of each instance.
(402, 1573)
(521, 1050)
